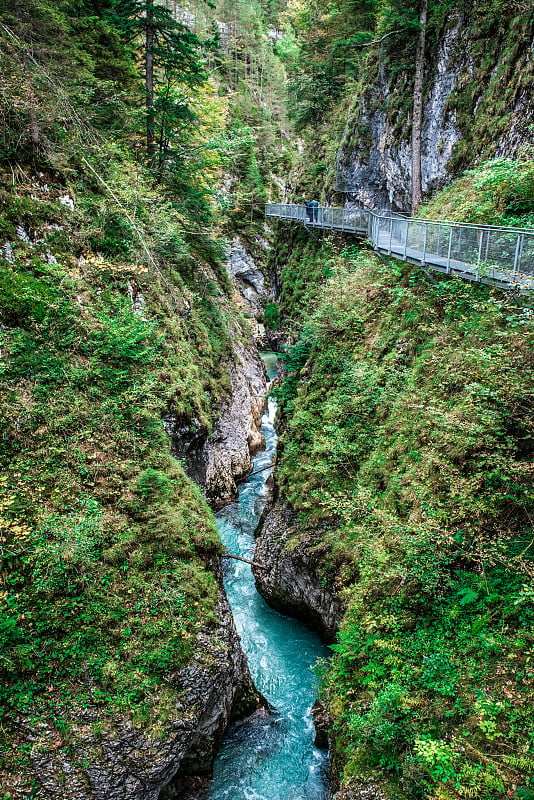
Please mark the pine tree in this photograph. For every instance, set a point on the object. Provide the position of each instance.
(171, 56)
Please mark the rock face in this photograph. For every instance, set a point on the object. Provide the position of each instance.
(247, 278)
(252, 288)
(379, 175)
(217, 462)
(291, 583)
(237, 433)
(374, 159)
(127, 763)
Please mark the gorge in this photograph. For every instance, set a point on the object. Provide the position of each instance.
(185, 379)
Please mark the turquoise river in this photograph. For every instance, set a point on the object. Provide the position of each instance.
(269, 756)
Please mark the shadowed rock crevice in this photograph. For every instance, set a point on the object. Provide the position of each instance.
(291, 582)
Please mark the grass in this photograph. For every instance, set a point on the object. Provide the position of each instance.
(498, 192)
(408, 443)
(105, 541)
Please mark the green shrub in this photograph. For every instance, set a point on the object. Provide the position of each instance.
(271, 315)
(408, 426)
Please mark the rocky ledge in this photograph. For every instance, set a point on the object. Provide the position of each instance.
(122, 762)
(219, 461)
(291, 582)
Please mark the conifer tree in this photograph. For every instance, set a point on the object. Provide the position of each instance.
(171, 54)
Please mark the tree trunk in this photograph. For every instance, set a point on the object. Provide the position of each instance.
(163, 142)
(35, 133)
(417, 121)
(236, 50)
(150, 119)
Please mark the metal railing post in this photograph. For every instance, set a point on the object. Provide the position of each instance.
(449, 252)
(390, 234)
(517, 251)
(406, 239)
(479, 254)
(424, 244)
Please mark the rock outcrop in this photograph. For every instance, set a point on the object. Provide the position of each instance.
(378, 173)
(291, 582)
(247, 277)
(124, 762)
(474, 109)
(237, 432)
(219, 461)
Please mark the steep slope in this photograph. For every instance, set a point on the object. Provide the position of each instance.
(405, 493)
(402, 509)
(109, 550)
(127, 369)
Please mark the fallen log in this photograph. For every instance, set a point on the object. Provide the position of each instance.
(245, 560)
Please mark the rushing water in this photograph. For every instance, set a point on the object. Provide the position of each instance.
(270, 756)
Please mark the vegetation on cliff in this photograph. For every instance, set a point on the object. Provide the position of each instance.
(407, 413)
(115, 310)
(407, 448)
(498, 192)
(136, 136)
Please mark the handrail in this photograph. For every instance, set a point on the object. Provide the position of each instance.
(492, 254)
(400, 215)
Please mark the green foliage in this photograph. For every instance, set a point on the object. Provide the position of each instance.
(409, 429)
(65, 65)
(153, 484)
(322, 53)
(303, 267)
(271, 315)
(111, 314)
(499, 192)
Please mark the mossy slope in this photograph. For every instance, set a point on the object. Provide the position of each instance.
(408, 444)
(106, 543)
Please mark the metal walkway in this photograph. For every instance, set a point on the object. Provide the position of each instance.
(499, 256)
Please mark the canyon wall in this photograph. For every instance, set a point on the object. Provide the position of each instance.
(477, 105)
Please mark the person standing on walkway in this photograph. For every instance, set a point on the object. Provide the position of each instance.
(309, 210)
(315, 213)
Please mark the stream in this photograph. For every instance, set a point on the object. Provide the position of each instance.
(269, 756)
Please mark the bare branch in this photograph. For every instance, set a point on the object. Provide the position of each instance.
(377, 41)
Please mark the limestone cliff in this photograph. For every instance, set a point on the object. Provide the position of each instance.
(247, 276)
(478, 79)
(217, 461)
(292, 582)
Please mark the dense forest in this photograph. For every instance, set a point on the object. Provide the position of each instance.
(139, 141)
